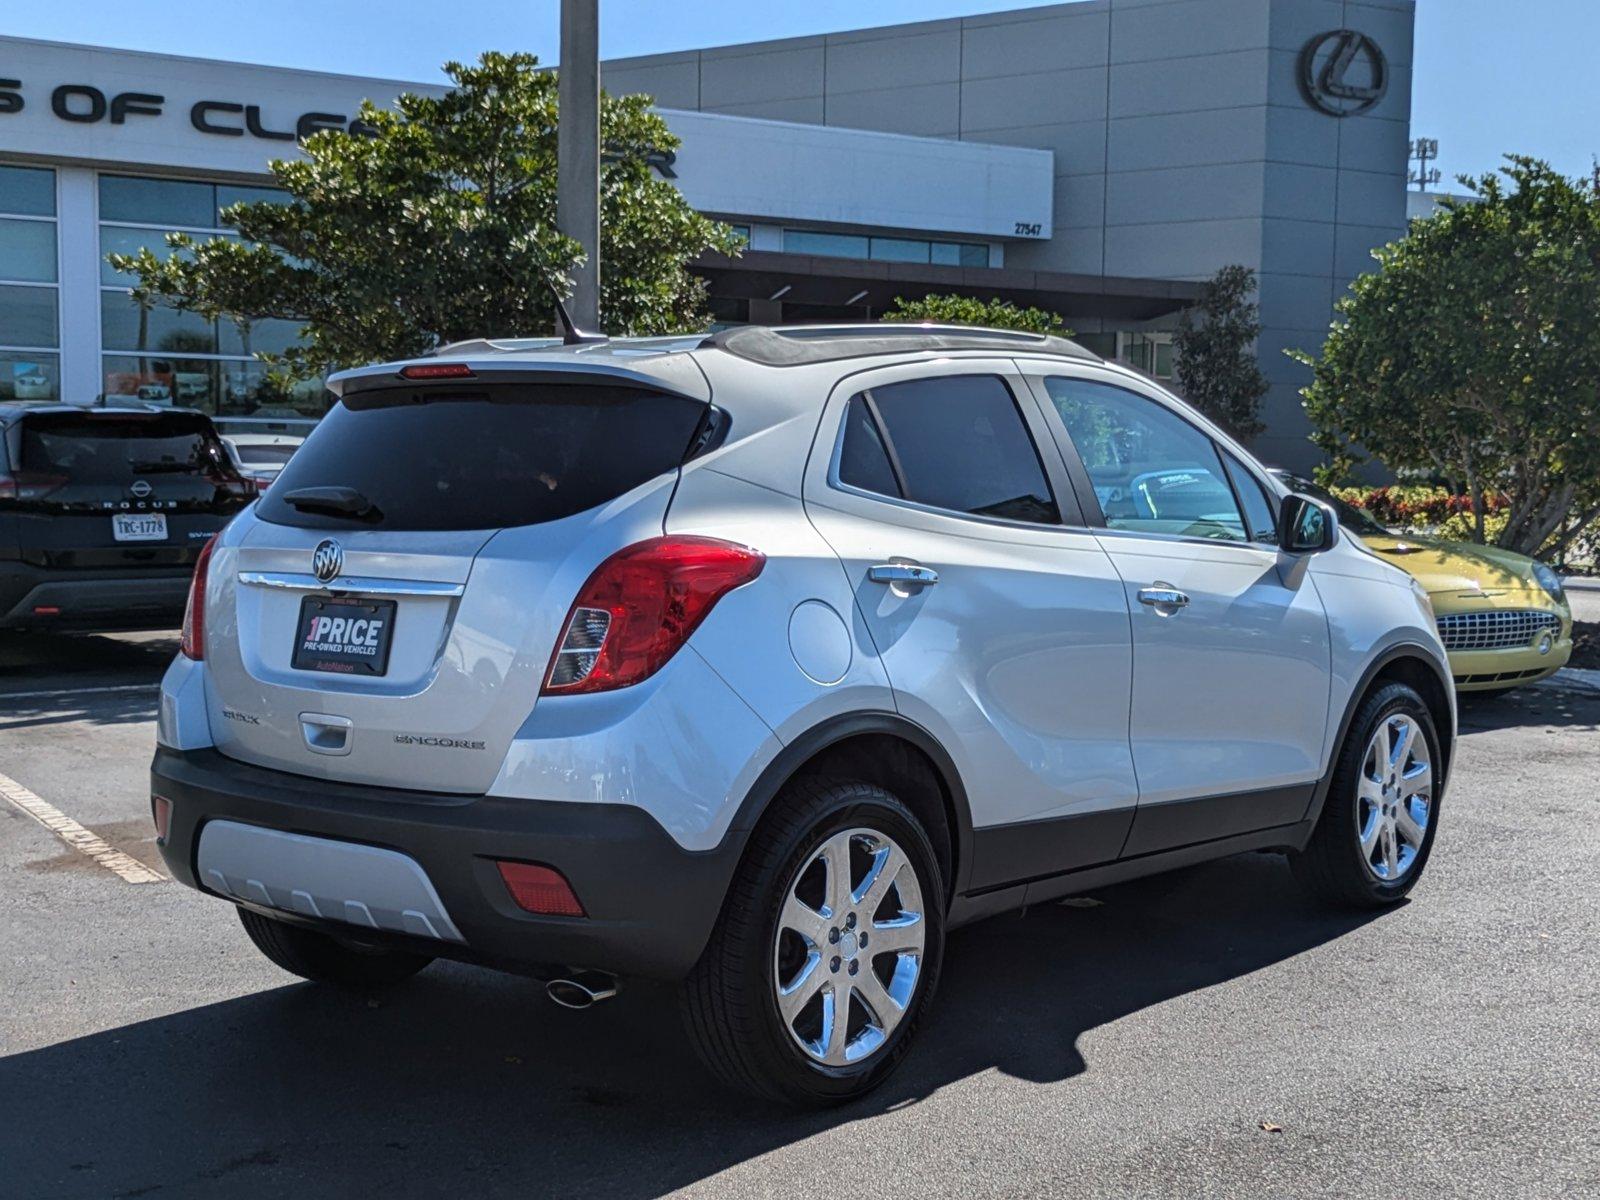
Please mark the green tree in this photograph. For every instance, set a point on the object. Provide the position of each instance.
(1473, 354)
(964, 310)
(438, 224)
(1213, 352)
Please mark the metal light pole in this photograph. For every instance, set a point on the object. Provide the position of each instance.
(578, 151)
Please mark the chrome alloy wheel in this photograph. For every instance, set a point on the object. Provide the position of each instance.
(1394, 797)
(848, 949)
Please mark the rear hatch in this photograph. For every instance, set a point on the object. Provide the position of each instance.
(110, 489)
(463, 518)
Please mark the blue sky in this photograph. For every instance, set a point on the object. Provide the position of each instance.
(1490, 77)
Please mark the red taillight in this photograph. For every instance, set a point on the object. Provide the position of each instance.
(640, 606)
(29, 485)
(436, 371)
(540, 889)
(161, 810)
(194, 612)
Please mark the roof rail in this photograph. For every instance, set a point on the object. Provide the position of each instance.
(794, 345)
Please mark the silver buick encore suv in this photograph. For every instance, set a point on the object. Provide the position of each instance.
(759, 661)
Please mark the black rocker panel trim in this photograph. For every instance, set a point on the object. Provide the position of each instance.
(1003, 854)
(1177, 823)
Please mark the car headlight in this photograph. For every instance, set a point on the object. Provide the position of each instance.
(1550, 582)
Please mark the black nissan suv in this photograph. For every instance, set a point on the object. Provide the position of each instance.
(103, 512)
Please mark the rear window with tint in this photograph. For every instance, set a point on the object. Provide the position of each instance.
(485, 457)
(957, 442)
(118, 448)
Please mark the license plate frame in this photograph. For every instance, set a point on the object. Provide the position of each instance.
(139, 527)
(351, 648)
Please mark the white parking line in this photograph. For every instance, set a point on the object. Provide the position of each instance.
(84, 841)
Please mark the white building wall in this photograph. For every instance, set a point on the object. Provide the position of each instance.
(78, 234)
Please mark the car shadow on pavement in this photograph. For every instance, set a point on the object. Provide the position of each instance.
(26, 655)
(1540, 704)
(65, 708)
(467, 1082)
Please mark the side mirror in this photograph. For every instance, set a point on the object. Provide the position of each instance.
(1306, 525)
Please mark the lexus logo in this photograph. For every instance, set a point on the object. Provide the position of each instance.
(140, 488)
(327, 560)
(1343, 72)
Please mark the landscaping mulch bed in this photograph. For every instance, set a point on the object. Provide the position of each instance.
(1585, 645)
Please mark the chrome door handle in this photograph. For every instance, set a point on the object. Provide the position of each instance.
(903, 574)
(1163, 595)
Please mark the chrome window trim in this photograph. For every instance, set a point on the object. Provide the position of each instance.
(1186, 540)
(295, 581)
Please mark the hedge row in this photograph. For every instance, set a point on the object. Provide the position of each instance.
(1422, 509)
(1416, 505)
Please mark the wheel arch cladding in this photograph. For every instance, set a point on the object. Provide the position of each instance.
(895, 754)
(1413, 666)
(1422, 675)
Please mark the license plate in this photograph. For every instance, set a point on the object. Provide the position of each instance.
(139, 527)
(345, 635)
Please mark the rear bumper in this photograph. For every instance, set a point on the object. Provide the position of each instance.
(151, 599)
(650, 903)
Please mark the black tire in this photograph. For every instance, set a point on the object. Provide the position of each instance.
(728, 1001)
(322, 958)
(1332, 864)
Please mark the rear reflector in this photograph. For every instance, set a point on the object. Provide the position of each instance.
(436, 371)
(46, 610)
(161, 810)
(540, 889)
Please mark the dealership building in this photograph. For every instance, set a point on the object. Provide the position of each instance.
(1098, 158)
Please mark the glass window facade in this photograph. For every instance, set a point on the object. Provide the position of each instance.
(28, 250)
(885, 249)
(831, 245)
(158, 201)
(1148, 352)
(30, 306)
(28, 191)
(153, 352)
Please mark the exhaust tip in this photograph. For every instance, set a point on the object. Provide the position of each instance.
(584, 993)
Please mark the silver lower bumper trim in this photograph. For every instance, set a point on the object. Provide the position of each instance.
(360, 885)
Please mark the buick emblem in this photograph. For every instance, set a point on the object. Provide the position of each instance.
(140, 488)
(327, 560)
(1343, 72)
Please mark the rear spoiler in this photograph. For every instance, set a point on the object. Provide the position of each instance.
(672, 374)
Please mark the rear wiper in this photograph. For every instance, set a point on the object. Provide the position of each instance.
(338, 501)
(163, 468)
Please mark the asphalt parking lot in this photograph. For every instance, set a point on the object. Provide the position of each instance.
(1209, 1033)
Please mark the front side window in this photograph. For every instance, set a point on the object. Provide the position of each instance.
(957, 443)
(1151, 470)
(1257, 508)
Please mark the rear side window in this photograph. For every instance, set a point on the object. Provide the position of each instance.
(486, 457)
(119, 448)
(957, 443)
